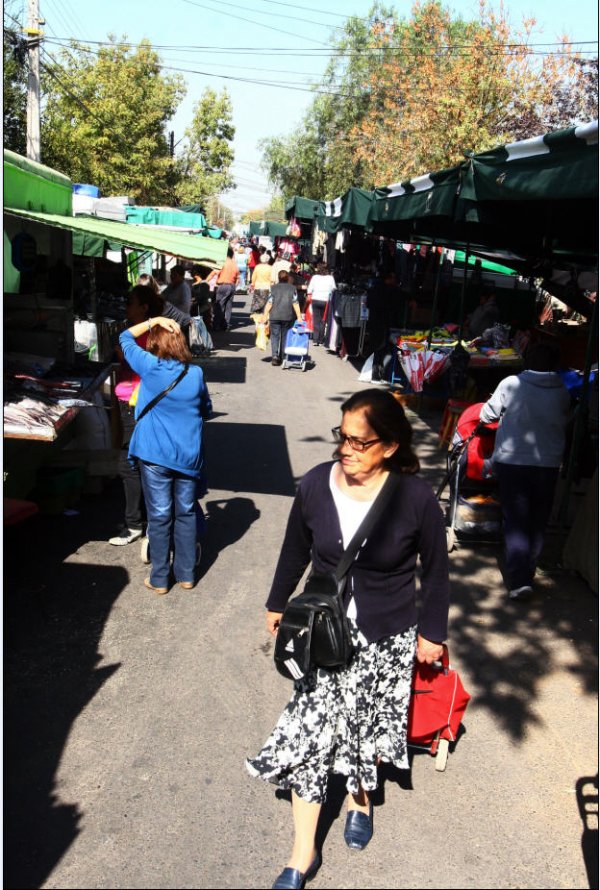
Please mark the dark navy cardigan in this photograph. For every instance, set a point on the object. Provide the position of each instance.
(382, 577)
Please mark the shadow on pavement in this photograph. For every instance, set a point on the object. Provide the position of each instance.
(587, 801)
(249, 458)
(53, 626)
(228, 521)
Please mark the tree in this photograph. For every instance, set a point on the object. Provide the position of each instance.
(408, 96)
(14, 87)
(448, 85)
(275, 211)
(218, 214)
(104, 119)
(319, 159)
(204, 165)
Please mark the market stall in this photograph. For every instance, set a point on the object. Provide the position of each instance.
(52, 392)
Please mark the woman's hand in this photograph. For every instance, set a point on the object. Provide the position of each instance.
(168, 324)
(273, 619)
(428, 652)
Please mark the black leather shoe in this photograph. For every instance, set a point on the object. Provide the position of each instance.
(359, 829)
(292, 879)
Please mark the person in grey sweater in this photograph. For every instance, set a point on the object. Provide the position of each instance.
(533, 410)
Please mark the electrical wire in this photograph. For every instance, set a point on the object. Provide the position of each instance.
(252, 22)
(291, 51)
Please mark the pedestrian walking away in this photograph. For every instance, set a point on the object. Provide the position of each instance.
(281, 309)
(349, 720)
(533, 410)
(320, 289)
(261, 284)
(227, 281)
(172, 404)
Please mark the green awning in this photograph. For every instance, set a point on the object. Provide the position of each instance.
(162, 216)
(268, 228)
(537, 198)
(303, 209)
(424, 204)
(32, 186)
(349, 211)
(187, 247)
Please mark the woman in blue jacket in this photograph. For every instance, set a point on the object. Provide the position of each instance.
(167, 442)
(348, 720)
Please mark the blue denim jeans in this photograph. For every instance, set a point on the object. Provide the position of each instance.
(171, 508)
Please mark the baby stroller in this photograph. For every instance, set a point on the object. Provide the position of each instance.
(473, 514)
(295, 351)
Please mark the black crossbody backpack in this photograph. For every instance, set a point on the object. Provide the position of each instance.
(314, 631)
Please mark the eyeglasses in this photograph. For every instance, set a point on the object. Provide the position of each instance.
(354, 443)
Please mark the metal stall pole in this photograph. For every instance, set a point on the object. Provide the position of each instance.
(462, 293)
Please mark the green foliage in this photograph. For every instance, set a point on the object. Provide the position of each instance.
(319, 159)
(219, 214)
(104, 119)
(275, 211)
(407, 96)
(14, 91)
(204, 165)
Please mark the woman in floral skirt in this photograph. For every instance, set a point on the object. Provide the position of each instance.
(349, 720)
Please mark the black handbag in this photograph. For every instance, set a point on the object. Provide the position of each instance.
(314, 631)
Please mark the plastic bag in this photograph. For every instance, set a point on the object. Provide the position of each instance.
(200, 339)
(261, 335)
(134, 396)
(367, 370)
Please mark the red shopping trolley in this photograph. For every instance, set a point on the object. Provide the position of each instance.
(437, 706)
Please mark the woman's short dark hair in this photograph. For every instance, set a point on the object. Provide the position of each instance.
(168, 344)
(283, 276)
(148, 297)
(542, 357)
(385, 415)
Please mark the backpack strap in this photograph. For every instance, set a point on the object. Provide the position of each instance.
(389, 488)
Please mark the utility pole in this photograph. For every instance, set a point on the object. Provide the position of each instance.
(34, 35)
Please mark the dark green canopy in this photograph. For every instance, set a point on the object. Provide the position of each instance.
(268, 228)
(303, 209)
(349, 211)
(537, 197)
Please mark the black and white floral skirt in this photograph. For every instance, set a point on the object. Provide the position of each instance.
(343, 721)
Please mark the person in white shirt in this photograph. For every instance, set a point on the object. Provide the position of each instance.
(320, 288)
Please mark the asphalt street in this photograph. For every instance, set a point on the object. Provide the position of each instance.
(128, 716)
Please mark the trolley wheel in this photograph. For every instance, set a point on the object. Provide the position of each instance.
(442, 755)
(145, 551)
(450, 539)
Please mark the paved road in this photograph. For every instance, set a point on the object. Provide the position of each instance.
(128, 716)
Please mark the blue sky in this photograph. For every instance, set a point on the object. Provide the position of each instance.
(235, 44)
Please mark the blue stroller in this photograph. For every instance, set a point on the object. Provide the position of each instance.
(295, 353)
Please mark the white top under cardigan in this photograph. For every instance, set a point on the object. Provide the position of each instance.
(350, 513)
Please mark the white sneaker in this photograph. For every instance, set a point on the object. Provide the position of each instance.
(520, 593)
(126, 536)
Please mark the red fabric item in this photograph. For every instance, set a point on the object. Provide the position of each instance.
(437, 705)
(308, 316)
(16, 511)
(481, 446)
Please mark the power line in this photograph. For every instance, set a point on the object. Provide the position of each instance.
(305, 51)
(338, 15)
(250, 21)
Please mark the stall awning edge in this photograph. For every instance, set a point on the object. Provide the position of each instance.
(188, 247)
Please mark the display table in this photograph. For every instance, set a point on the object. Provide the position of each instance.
(38, 407)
